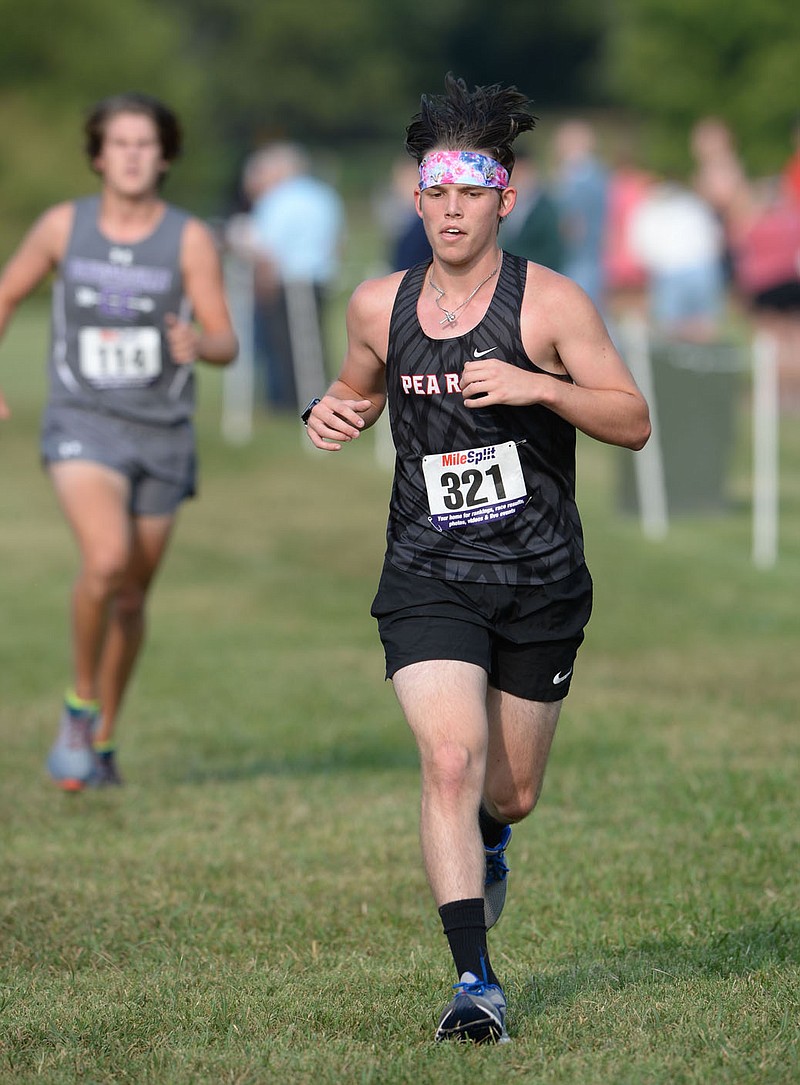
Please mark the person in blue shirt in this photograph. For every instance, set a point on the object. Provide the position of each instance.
(581, 190)
(297, 222)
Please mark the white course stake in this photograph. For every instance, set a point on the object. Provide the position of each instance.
(308, 360)
(765, 451)
(648, 463)
(238, 379)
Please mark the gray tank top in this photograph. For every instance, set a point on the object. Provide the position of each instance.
(108, 350)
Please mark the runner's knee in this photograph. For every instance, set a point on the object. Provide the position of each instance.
(514, 802)
(129, 603)
(102, 574)
(449, 768)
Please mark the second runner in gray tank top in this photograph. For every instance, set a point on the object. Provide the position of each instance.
(109, 350)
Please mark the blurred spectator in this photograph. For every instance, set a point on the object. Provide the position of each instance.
(581, 191)
(766, 261)
(719, 174)
(719, 177)
(625, 276)
(296, 228)
(408, 243)
(678, 239)
(532, 229)
(412, 246)
(791, 171)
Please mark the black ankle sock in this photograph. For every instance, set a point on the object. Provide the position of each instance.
(464, 924)
(491, 830)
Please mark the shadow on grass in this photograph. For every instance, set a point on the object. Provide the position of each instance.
(723, 954)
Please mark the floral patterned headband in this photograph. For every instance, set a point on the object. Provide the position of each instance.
(461, 168)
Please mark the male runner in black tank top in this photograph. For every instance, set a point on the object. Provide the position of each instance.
(133, 276)
(489, 364)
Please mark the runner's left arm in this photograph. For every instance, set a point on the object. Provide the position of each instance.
(210, 337)
(602, 401)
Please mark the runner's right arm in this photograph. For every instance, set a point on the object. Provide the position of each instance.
(38, 254)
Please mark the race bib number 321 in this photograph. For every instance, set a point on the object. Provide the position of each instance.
(474, 486)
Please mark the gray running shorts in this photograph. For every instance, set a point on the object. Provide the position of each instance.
(159, 462)
(526, 637)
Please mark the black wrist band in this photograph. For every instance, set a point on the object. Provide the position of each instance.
(304, 417)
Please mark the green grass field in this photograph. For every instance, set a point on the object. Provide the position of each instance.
(251, 908)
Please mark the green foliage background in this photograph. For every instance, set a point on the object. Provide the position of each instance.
(673, 61)
(344, 77)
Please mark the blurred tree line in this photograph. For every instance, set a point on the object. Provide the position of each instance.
(346, 75)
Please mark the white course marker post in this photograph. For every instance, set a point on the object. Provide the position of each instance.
(765, 451)
(384, 444)
(648, 463)
(238, 379)
(305, 335)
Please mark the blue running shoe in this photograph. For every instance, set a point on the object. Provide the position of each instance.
(106, 773)
(494, 889)
(71, 760)
(477, 1013)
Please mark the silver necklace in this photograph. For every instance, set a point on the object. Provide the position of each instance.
(451, 314)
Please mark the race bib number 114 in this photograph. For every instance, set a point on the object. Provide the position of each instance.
(474, 486)
(118, 357)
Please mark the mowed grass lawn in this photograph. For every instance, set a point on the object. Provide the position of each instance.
(250, 907)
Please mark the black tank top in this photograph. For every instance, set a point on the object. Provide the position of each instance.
(540, 539)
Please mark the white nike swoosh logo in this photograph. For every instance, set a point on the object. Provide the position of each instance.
(480, 353)
(559, 678)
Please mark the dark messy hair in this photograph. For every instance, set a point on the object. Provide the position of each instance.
(169, 130)
(486, 119)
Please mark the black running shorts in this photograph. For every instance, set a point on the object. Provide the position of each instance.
(525, 637)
